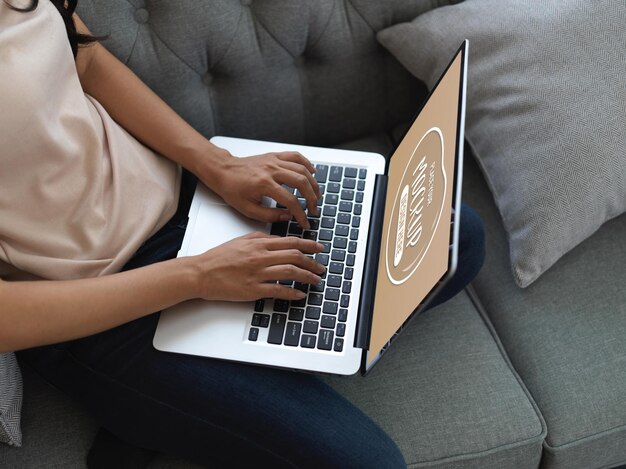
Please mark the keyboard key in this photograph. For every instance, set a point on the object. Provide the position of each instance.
(360, 185)
(286, 282)
(325, 235)
(322, 188)
(340, 243)
(253, 335)
(325, 339)
(362, 173)
(279, 229)
(292, 335)
(345, 301)
(316, 298)
(338, 255)
(281, 306)
(333, 187)
(332, 294)
(319, 288)
(322, 173)
(348, 273)
(343, 218)
(350, 172)
(313, 312)
(294, 228)
(303, 287)
(335, 268)
(348, 195)
(307, 341)
(315, 224)
(277, 328)
(329, 211)
(334, 281)
(336, 172)
(326, 247)
(310, 327)
(298, 303)
(349, 183)
(308, 234)
(302, 203)
(356, 222)
(322, 258)
(343, 315)
(341, 330)
(257, 319)
(345, 206)
(359, 197)
(328, 322)
(357, 209)
(342, 230)
(259, 305)
(352, 247)
(330, 307)
(350, 260)
(296, 314)
(328, 223)
(331, 199)
(347, 287)
(354, 234)
(338, 345)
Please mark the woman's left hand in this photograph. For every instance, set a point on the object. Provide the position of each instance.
(243, 182)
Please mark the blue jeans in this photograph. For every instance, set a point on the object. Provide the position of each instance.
(219, 413)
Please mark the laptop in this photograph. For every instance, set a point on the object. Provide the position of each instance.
(390, 232)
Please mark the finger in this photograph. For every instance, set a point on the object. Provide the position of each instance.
(267, 214)
(302, 170)
(300, 182)
(296, 157)
(291, 242)
(276, 290)
(282, 196)
(255, 234)
(293, 257)
(290, 272)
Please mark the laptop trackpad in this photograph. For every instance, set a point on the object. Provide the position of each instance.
(217, 223)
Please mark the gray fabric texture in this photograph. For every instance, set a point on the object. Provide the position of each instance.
(296, 71)
(10, 400)
(565, 336)
(445, 393)
(546, 112)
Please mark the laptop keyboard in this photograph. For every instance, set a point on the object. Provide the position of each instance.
(319, 320)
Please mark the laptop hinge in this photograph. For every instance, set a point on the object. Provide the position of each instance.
(370, 270)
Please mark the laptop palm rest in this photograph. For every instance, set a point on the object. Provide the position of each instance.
(214, 325)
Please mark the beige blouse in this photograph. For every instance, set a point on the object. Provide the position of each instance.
(78, 194)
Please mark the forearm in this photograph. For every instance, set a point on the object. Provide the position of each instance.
(46, 312)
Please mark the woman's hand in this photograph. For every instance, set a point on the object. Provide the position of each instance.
(247, 268)
(242, 183)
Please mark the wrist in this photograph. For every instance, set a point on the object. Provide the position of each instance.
(209, 164)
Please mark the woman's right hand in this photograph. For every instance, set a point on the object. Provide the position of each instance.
(247, 268)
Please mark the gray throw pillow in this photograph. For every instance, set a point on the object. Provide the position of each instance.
(546, 112)
(10, 400)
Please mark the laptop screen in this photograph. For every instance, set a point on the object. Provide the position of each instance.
(415, 252)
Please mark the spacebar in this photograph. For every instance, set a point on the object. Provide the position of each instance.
(277, 328)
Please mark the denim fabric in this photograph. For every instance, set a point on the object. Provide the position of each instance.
(220, 413)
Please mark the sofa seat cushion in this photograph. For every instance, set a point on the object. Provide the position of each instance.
(447, 395)
(565, 335)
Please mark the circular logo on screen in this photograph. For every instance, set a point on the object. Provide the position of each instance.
(417, 208)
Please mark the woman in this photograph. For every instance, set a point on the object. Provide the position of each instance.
(93, 201)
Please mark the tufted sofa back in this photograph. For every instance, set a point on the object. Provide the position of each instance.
(300, 71)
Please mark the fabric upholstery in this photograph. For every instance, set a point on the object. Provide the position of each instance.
(564, 335)
(445, 393)
(297, 71)
(545, 109)
(10, 400)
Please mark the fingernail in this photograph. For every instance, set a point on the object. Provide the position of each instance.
(320, 267)
(320, 246)
(300, 294)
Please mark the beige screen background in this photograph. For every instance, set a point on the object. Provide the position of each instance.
(416, 231)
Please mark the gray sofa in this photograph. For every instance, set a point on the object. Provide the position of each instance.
(499, 377)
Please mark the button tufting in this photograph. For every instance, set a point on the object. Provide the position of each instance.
(246, 3)
(141, 15)
(207, 78)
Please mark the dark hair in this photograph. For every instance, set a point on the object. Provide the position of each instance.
(66, 9)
